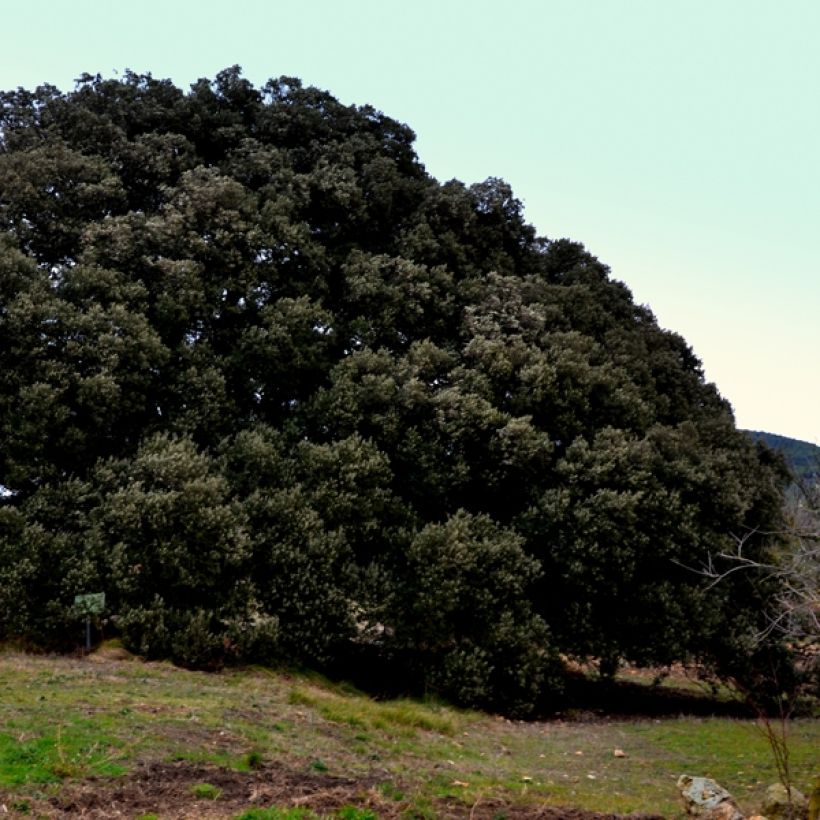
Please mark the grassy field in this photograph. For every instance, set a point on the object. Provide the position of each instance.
(103, 737)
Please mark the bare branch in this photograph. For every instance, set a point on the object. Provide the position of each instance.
(795, 568)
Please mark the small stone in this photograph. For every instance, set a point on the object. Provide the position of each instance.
(619, 753)
(579, 753)
(776, 803)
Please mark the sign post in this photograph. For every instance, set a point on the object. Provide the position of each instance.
(90, 604)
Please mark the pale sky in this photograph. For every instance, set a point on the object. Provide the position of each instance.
(679, 140)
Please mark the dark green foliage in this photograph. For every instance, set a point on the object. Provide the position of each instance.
(283, 396)
(463, 615)
(45, 560)
(175, 547)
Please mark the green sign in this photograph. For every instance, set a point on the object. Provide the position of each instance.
(91, 604)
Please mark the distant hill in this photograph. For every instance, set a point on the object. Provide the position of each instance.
(802, 456)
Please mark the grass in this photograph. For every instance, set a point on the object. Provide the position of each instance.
(681, 680)
(46, 755)
(114, 715)
(401, 717)
(206, 791)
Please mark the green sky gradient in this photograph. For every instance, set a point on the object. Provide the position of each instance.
(677, 140)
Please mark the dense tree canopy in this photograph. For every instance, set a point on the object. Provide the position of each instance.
(284, 396)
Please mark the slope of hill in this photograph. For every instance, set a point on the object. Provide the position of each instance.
(145, 740)
(801, 456)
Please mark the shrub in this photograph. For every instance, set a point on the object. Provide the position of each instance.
(463, 614)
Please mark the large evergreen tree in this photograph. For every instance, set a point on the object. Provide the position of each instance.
(282, 394)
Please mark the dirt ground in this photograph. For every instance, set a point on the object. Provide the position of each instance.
(166, 789)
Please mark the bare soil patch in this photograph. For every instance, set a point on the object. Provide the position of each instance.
(166, 789)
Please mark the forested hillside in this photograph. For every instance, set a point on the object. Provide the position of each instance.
(802, 457)
(284, 397)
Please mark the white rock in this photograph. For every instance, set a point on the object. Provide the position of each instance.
(707, 799)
